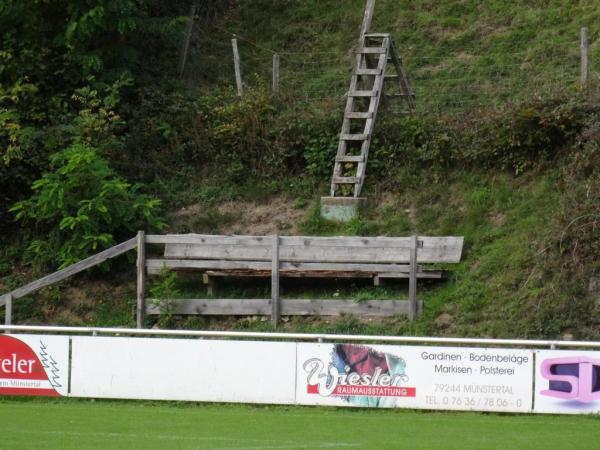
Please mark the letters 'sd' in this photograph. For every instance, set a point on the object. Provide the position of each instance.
(572, 378)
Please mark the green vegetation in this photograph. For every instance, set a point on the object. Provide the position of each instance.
(123, 425)
(99, 137)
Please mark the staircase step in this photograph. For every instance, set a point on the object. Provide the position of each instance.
(391, 76)
(358, 115)
(368, 72)
(362, 94)
(377, 35)
(354, 137)
(349, 158)
(371, 50)
(345, 180)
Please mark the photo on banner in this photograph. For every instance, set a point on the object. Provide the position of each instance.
(445, 378)
(567, 382)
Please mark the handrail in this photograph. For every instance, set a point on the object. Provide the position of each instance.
(71, 270)
(299, 336)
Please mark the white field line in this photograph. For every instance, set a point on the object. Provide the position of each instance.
(287, 444)
(291, 446)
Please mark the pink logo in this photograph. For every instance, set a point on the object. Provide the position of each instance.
(573, 378)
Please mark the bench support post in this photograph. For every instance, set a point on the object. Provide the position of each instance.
(412, 280)
(275, 301)
(141, 278)
(210, 284)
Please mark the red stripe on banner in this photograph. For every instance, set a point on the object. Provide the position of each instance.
(366, 391)
(312, 389)
(29, 392)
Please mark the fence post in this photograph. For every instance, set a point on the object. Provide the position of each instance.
(236, 65)
(8, 310)
(141, 278)
(275, 301)
(412, 280)
(275, 73)
(368, 17)
(185, 45)
(585, 60)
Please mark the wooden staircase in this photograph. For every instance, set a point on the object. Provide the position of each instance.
(373, 79)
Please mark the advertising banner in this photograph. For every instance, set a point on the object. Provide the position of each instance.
(567, 382)
(183, 369)
(482, 379)
(34, 365)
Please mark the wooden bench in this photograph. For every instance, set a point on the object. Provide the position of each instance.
(302, 256)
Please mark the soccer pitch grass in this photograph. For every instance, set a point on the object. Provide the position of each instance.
(78, 424)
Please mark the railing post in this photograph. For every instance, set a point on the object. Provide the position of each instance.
(585, 60)
(276, 73)
(275, 301)
(141, 278)
(236, 65)
(412, 280)
(8, 310)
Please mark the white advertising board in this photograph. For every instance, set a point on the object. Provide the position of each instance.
(183, 369)
(482, 379)
(34, 365)
(567, 382)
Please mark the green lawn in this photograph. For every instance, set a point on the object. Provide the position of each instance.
(126, 425)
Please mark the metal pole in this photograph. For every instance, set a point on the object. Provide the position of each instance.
(298, 336)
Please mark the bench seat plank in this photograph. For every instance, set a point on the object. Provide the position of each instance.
(155, 266)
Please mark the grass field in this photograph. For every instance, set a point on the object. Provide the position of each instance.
(71, 424)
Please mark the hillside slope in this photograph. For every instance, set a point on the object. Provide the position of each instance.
(503, 149)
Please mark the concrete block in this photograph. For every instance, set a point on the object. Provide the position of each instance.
(341, 209)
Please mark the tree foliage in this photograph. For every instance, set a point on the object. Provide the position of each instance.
(65, 66)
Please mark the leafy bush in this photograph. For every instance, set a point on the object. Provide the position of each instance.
(82, 206)
(520, 138)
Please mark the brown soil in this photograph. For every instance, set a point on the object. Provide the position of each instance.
(278, 216)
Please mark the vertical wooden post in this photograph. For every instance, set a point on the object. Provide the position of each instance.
(210, 284)
(236, 65)
(412, 280)
(275, 301)
(185, 45)
(275, 73)
(8, 310)
(368, 18)
(585, 60)
(141, 278)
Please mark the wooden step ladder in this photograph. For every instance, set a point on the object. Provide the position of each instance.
(366, 91)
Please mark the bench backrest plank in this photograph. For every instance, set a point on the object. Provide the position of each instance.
(341, 249)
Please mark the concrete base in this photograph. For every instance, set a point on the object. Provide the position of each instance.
(341, 209)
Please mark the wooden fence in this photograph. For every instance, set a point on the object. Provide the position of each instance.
(273, 256)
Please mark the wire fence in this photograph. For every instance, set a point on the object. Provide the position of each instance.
(456, 82)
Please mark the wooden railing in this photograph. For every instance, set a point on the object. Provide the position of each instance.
(7, 299)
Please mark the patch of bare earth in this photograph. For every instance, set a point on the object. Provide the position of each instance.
(277, 216)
